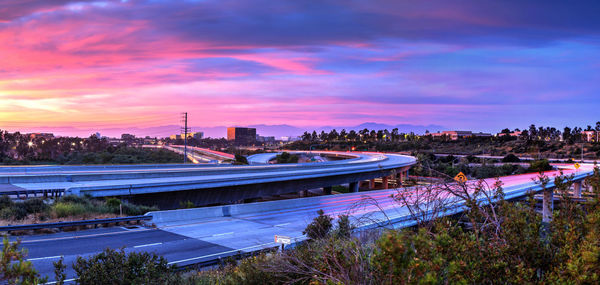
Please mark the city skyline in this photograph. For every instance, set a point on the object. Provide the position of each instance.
(481, 65)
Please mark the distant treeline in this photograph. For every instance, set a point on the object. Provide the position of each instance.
(17, 148)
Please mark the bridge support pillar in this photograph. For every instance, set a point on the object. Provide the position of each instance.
(577, 189)
(327, 190)
(353, 187)
(385, 182)
(372, 184)
(399, 178)
(547, 205)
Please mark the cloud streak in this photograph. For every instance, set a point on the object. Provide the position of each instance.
(463, 64)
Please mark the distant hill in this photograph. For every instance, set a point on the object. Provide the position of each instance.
(221, 131)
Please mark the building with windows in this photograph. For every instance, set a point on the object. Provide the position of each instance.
(589, 136)
(241, 135)
(196, 135)
(455, 135)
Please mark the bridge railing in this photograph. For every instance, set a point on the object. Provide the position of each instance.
(74, 223)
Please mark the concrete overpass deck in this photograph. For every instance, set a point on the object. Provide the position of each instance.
(202, 185)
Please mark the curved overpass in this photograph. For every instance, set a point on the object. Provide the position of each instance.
(167, 185)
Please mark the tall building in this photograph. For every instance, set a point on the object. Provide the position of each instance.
(241, 135)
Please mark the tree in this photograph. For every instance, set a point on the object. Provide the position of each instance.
(333, 135)
(314, 136)
(306, 136)
(320, 227)
(343, 135)
(567, 136)
(240, 160)
(14, 269)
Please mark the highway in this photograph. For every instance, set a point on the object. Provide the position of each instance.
(195, 235)
(127, 180)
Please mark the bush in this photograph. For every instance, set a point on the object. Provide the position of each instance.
(186, 204)
(35, 205)
(539, 165)
(240, 160)
(6, 202)
(320, 227)
(118, 267)
(62, 209)
(136, 210)
(113, 203)
(511, 158)
(13, 213)
(286, 157)
(14, 269)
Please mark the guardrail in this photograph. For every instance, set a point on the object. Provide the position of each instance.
(74, 223)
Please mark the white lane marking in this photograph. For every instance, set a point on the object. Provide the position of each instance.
(145, 245)
(66, 280)
(42, 258)
(281, 225)
(220, 253)
(230, 251)
(223, 234)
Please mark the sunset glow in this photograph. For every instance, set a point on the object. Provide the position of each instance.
(486, 65)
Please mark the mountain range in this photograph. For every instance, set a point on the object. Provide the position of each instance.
(221, 131)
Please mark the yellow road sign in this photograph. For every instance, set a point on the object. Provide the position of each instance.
(577, 165)
(460, 177)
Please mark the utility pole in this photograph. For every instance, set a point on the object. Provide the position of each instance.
(185, 130)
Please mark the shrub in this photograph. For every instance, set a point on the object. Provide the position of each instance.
(135, 210)
(511, 158)
(113, 203)
(14, 269)
(118, 267)
(186, 204)
(62, 209)
(240, 160)
(286, 157)
(35, 205)
(13, 213)
(539, 165)
(320, 227)
(6, 202)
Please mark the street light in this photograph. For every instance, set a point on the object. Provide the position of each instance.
(30, 144)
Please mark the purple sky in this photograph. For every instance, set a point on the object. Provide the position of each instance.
(479, 64)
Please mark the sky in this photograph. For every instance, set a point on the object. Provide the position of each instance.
(469, 64)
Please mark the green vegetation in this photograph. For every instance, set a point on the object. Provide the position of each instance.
(539, 165)
(240, 160)
(511, 158)
(117, 267)
(14, 269)
(286, 157)
(340, 189)
(67, 206)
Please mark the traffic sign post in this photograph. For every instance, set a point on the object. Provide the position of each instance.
(460, 178)
(283, 240)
